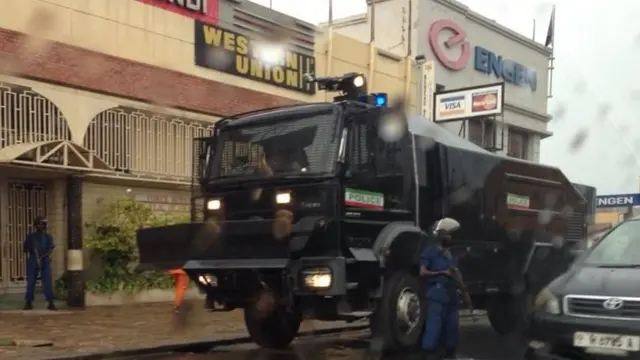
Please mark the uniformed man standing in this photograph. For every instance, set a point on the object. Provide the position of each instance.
(439, 268)
(38, 246)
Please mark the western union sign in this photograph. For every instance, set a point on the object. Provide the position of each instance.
(236, 54)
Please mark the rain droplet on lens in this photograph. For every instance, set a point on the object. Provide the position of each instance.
(461, 195)
(578, 140)
(550, 200)
(218, 58)
(544, 216)
(559, 112)
(40, 22)
(392, 127)
(603, 111)
(567, 210)
(425, 143)
(393, 122)
(557, 241)
(580, 87)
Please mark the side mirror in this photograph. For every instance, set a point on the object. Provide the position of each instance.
(446, 226)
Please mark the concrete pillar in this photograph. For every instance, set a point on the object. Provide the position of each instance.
(75, 224)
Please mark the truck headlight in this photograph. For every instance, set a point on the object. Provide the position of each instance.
(214, 204)
(283, 198)
(209, 280)
(548, 302)
(319, 278)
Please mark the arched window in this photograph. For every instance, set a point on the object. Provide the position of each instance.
(145, 143)
(28, 117)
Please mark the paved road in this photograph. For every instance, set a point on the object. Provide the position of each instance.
(477, 339)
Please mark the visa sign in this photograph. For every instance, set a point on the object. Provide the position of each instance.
(626, 200)
(510, 71)
(451, 106)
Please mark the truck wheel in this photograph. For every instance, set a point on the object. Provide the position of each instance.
(272, 331)
(400, 315)
(509, 314)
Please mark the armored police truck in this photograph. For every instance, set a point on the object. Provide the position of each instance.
(306, 211)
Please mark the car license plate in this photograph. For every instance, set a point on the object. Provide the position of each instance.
(606, 341)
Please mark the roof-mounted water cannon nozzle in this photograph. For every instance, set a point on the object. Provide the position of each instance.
(351, 85)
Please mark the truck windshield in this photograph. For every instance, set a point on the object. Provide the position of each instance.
(619, 248)
(305, 144)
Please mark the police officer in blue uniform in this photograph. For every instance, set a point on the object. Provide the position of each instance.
(38, 246)
(439, 269)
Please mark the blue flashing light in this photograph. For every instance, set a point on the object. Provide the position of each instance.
(376, 99)
(380, 99)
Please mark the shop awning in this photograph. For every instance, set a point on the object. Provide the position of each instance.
(60, 154)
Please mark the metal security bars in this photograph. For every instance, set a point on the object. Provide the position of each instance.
(201, 155)
(26, 201)
(145, 144)
(28, 117)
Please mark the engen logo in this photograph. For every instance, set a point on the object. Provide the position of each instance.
(363, 199)
(204, 10)
(458, 38)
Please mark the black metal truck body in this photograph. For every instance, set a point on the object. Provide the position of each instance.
(347, 243)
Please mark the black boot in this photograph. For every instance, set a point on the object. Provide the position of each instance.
(451, 353)
(432, 355)
(28, 306)
(51, 306)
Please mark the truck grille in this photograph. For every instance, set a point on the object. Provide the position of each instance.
(594, 306)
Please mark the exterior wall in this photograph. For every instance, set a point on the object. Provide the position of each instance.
(609, 217)
(525, 109)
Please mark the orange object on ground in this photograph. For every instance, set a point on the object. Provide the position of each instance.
(181, 283)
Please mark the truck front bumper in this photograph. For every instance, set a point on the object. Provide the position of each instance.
(323, 276)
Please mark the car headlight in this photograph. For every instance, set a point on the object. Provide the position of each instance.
(214, 204)
(548, 302)
(317, 278)
(283, 198)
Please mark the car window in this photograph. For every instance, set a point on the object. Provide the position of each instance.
(621, 246)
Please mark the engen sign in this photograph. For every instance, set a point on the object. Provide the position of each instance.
(610, 201)
(484, 60)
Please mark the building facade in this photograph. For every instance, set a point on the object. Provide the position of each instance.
(466, 49)
(100, 99)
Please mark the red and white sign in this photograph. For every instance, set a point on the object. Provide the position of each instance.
(206, 11)
(458, 38)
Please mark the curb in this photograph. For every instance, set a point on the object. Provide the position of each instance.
(195, 345)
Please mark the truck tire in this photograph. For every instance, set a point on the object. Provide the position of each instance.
(272, 331)
(399, 318)
(509, 314)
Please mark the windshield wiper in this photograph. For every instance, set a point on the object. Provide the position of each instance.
(621, 266)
